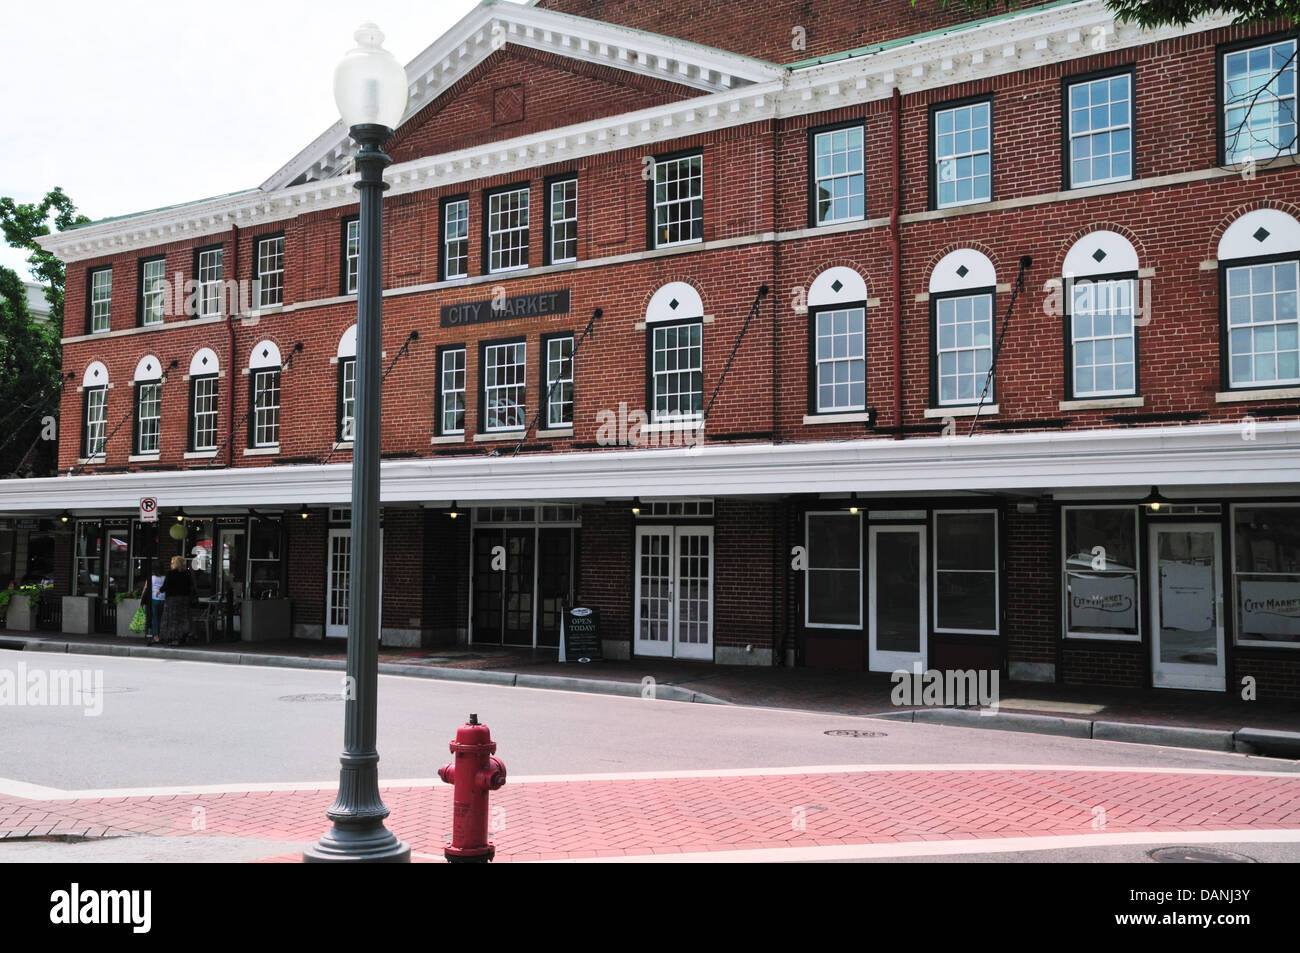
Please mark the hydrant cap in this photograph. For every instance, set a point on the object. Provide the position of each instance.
(474, 735)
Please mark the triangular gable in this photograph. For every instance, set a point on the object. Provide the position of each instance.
(492, 25)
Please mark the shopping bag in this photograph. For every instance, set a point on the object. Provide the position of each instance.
(140, 620)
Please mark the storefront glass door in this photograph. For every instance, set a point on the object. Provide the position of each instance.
(338, 579)
(1187, 607)
(897, 598)
(504, 582)
(674, 591)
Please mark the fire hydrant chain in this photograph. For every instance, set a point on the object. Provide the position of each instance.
(474, 774)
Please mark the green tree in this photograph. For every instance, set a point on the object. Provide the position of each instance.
(1153, 13)
(30, 354)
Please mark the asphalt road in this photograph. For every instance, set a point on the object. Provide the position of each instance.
(172, 723)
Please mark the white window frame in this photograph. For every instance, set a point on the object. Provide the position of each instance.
(347, 398)
(1266, 99)
(152, 296)
(1109, 129)
(96, 422)
(517, 370)
(658, 377)
(1090, 286)
(850, 359)
(957, 348)
(850, 153)
(995, 572)
(101, 300)
(351, 256)
(566, 200)
(458, 375)
(209, 275)
(270, 294)
(266, 419)
(455, 231)
(694, 177)
(557, 396)
(152, 397)
(807, 580)
(499, 229)
(1137, 577)
(1248, 266)
(205, 408)
(1233, 572)
(956, 155)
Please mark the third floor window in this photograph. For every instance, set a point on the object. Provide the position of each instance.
(351, 256)
(677, 201)
(270, 271)
(1259, 102)
(1100, 131)
(562, 237)
(101, 299)
(962, 167)
(152, 293)
(507, 229)
(208, 262)
(839, 190)
(455, 238)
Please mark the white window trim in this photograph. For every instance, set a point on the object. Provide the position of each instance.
(551, 382)
(692, 419)
(146, 294)
(194, 414)
(654, 184)
(813, 315)
(139, 419)
(262, 303)
(1070, 135)
(488, 390)
(807, 575)
(817, 180)
(447, 239)
(95, 301)
(462, 391)
(1232, 574)
(257, 411)
(351, 276)
(1137, 572)
(493, 237)
(205, 284)
(1101, 395)
(1225, 105)
(972, 402)
(1258, 387)
(996, 572)
(935, 160)
(551, 222)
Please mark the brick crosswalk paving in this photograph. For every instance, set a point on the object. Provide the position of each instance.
(598, 817)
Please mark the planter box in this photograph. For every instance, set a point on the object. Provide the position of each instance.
(79, 615)
(126, 610)
(264, 620)
(19, 618)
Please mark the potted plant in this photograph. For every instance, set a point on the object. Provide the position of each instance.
(128, 603)
(21, 613)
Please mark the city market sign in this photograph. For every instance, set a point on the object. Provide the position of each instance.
(504, 309)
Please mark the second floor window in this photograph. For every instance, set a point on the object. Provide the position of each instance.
(451, 391)
(203, 413)
(351, 255)
(839, 191)
(963, 327)
(270, 271)
(678, 201)
(266, 407)
(101, 299)
(840, 360)
(1103, 361)
(148, 416)
(504, 385)
(347, 399)
(1100, 121)
(1259, 102)
(559, 381)
(455, 238)
(95, 432)
(1262, 324)
(963, 155)
(209, 261)
(507, 230)
(152, 293)
(563, 234)
(677, 371)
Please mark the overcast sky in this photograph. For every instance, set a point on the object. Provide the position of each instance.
(132, 105)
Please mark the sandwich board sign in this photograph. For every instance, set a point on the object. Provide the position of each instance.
(580, 638)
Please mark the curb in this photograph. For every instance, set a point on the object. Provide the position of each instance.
(592, 686)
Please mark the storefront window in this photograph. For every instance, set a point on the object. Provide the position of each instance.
(966, 571)
(833, 585)
(264, 572)
(1101, 573)
(90, 542)
(198, 555)
(1266, 574)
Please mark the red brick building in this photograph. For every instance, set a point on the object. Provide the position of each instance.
(806, 337)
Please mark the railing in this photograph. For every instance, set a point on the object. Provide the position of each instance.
(49, 611)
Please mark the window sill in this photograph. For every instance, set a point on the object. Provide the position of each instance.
(1101, 403)
(962, 410)
(499, 436)
(858, 417)
(201, 455)
(1263, 393)
(673, 426)
(144, 458)
(556, 432)
(342, 445)
(448, 438)
(262, 451)
(87, 462)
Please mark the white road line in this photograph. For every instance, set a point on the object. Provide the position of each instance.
(948, 848)
(36, 792)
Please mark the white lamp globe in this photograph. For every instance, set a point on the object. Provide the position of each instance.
(369, 83)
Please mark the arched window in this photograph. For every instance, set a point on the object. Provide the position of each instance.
(147, 384)
(346, 409)
(264, 396)
(963, 286)
(1259, 264)
(94, 430)
(1099, 285)
(837, 328)
(675, 342)
(205, 371)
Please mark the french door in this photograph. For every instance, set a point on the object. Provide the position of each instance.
(338, 579)
(504, 583)
(1187, 608)
(674, 592)
(897, 598)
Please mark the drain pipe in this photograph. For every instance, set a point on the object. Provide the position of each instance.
(230, 368)
(896, 237)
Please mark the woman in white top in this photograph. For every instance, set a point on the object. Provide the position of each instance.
(156, 598)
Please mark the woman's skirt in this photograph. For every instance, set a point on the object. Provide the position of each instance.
(176, 619)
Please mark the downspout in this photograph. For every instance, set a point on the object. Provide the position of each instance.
(780, 593)
(896, 239)
(230, 368)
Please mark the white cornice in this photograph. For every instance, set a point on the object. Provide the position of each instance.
(1008, 45)
(1191, 457)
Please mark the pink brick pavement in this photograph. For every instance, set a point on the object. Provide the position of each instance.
(600, 817)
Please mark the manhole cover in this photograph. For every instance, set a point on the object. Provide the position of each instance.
(854, 733)
(313, 697)
(1197, 855)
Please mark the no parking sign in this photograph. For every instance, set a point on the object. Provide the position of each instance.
(148, 510)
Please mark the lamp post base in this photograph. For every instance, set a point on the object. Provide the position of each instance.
(369, 845)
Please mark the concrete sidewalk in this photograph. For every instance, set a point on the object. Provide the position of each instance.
(1177, 718)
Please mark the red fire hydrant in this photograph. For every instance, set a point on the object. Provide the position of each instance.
(474, 774)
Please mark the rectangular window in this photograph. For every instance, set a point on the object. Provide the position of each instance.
(208, 271)
(963, 347)
(270, 271)
(451, 391)
(966, 571)
(1100, 130)
(840, 358)
(96, 431)
(503, 370)
(1102, 342)
(563, 236)
(1263, 328)
(1259, 102)
(1101, 572)
(152, 293)
(963, 155)
(677, 194)
(455, 238)
(148, 416)
(559, 380)
(203, 402)
(839, 185)
(833, 581)
(507, 230)
(677, 372)
(101, 299)
(351, 256)
(1266, 574)
(266, 408)
(347, 399)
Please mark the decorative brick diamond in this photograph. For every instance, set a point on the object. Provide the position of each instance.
(1261, 233)
(836, 285)
(1098, 256)
(204, 362)
(266, 352)
(674, 304)
(963, 271)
